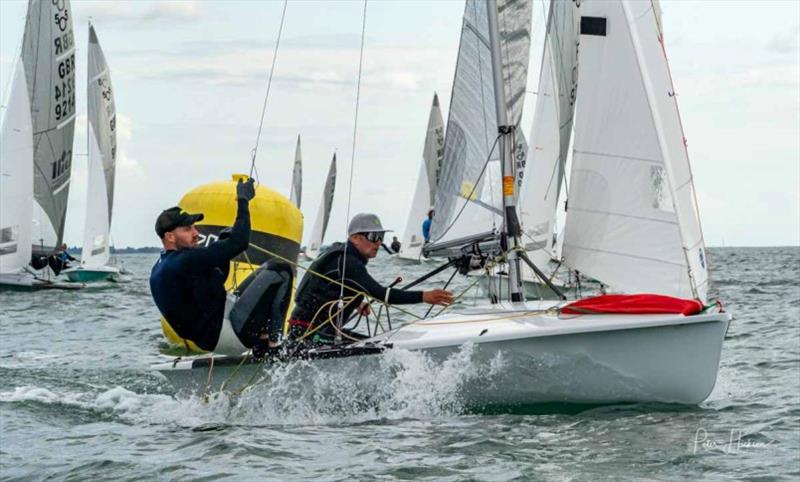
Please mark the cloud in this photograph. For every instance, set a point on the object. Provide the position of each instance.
(786, 42)
(132, 12)
(390, 68)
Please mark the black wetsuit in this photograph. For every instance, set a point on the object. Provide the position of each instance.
(395, 246)
(188, 285)
(314, 291)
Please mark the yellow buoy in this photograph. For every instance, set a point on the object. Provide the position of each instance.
(276, 225)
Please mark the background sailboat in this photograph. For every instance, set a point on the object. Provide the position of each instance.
(323, 214)
(102, 149)
(297, 176)
(37, 129)
(424, 193)
(48, 53)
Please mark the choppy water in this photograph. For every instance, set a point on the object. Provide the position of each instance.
(77, 402)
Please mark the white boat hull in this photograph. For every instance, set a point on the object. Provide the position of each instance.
(26, 281)
(83, 274)
(533, 358)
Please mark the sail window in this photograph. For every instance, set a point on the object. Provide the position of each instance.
(593, 26)
(662, 198)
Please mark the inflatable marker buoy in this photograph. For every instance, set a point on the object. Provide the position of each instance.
(276, 225)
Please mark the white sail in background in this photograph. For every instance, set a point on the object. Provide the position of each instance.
(467, 202)
(551, 132)
(432, 154)
(102, 147)
(48, 53)
(323, 214)
(16, 177)
(632, 220)
(297, 176)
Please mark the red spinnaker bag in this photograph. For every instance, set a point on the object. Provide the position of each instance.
(644, 304)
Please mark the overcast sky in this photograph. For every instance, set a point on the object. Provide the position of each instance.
(190, 79)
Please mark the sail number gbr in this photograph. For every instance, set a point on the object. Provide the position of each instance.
(64, 90)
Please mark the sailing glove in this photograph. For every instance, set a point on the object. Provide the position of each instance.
(245, 190)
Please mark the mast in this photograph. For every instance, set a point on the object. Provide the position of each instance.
(505, 144)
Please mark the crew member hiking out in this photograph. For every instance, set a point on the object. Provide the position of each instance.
(188, 284)
(316, 303)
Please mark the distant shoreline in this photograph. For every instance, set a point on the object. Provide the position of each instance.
(128, 250)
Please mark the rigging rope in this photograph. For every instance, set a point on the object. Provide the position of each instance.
(352, 158)
(254, 152)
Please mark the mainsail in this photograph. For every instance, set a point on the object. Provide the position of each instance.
(323, 214)
(16, 177)
(48, 53)
(297, 176)
(469, 197)
(427, 178)
(551, 132)
(102, 148)
(632, 220)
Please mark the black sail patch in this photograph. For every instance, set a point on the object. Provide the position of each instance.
(593, 26)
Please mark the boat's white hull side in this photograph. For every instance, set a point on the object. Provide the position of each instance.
(87, 274)
(26, 281)
(540, 358)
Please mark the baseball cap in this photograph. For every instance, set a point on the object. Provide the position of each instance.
(365, 223)
(174, 217)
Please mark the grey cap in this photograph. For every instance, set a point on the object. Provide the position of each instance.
(365, 223)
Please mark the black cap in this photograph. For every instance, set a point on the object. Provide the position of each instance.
(174, 217)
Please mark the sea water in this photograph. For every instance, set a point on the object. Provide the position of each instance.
(78, 401)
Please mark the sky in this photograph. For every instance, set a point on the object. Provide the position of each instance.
(190, 79)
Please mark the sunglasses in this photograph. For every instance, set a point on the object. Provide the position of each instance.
(373, 237)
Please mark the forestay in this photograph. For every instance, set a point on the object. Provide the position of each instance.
(466, 202)
(102, 138)
(551, 132)
(324, 213)
(48, 53)
(427, 180)
(297, 176)
(16, 177)
(632, 220)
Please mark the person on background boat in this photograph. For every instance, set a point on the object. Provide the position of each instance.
(395, 245)
(60, 260)
(426, 227)
(316, 304)
(188, 282)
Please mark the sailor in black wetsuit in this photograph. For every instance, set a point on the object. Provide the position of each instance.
(317, 298)
(188, 282)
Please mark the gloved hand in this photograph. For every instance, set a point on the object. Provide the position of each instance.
(246, 190)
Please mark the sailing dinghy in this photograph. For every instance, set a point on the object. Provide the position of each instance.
(427, 179)
(617, 348)
(102, 149)
(36, 145)
(297, 176)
